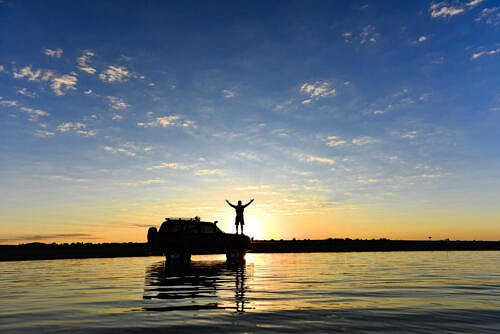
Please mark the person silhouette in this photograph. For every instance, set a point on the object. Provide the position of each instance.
(239, 220)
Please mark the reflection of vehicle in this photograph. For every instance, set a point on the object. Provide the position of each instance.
(179, 238)
(195, 286)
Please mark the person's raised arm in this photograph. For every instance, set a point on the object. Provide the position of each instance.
(249, 203)
(229, 203)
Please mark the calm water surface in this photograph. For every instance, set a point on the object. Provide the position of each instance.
(316, 292)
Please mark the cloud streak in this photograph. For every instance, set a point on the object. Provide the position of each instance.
(84, 62)
(57, 53)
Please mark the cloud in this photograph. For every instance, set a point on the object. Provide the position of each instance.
(489, 16)
(368, 34)
(8, 103)
(40, 237)
(248, 156)
(363, 140)
(117, 103)
(170, 165)
(130, 149)
(203, 172)
(228, 94)
(474, 3)
(76, 127)
(25, 92)
(443, 9)
(393, 102)
(62, 84)
(168, 121)
(317, 90)
(2, 68)
(485, 53)
(117, 117)
(57, 53)
(44, 133)
(321, 160)
(115, 74)
(119, 150)
(33, 74)
(422, 39)
(334, 141)
(409, 135)
(59, 84)
(84, 60)
(34, 113)
(347, 35)
(145, 182)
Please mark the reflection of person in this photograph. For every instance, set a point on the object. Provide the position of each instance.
(239, 214)
(239, 291)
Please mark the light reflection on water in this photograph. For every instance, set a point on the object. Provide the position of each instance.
(320, 292)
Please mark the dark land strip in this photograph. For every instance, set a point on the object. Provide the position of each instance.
(42, 251)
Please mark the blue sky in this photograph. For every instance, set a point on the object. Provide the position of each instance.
(347, 119)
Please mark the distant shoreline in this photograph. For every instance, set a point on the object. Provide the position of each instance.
(42, 251)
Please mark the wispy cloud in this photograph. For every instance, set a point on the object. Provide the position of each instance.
(32, 74)
(76, 127)
(368, 34)
(321, 160)
(117, 103)
(115, 74)
(44, 133)
(443, 9)
(228, 94)
(317, 90)
(489, 16)
(26, 92)
(33, 113)
(57, 53)
(485, 53)
(8, 103)
(363, 140)
(347, 36)
(474, 3)
(409, 135)
(334, 141)
(203, 172)
(167, 121)
(394, 101)
(149, 182)
(84, 62)
(130, 149)
(62, 84)
(169, 165)
(48, 236)
(422, 39)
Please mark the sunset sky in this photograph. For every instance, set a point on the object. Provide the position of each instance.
(341, 118)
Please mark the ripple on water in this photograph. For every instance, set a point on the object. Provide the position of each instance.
(321, 292)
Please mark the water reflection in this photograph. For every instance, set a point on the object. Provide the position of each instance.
(199, 285)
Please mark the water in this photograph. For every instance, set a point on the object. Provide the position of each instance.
(316, 292)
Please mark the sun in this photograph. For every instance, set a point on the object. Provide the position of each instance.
(254, 227)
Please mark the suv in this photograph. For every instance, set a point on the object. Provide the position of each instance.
(179, 238)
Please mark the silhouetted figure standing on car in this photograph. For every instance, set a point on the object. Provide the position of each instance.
(239, 214)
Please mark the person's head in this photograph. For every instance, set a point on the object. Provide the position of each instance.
(239, 202)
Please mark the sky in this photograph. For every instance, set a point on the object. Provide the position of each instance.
(342, 119)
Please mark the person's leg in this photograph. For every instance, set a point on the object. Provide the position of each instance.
(242, 228)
